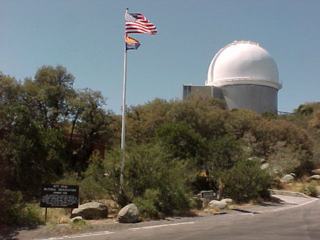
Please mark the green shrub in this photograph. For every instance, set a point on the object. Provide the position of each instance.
(151, 178)
(181, 141)
(12, 207)
(311, 190)
(223, 154)
(90, 183)
(80, 225)
(147, 204)
(246, 181)
(31, 215)
(15, 212)
(89, 188)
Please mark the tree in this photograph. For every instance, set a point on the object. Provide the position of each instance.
(90, 128)
(143, 120)
(223, 154)
(181, 142)
(48, 95)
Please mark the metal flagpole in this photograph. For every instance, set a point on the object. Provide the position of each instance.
(123, 122)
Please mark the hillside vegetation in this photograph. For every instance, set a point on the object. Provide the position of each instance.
(53, 133)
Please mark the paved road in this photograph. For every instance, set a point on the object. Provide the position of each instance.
(291, 223)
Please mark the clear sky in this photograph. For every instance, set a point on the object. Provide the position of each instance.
(86, 36)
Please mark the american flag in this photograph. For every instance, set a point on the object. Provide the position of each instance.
(137, 23)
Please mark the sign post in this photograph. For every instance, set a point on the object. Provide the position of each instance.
(45, 215)
(59, 196)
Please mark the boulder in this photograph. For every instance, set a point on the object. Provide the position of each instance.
(129, 214)
(218, 204)
(314, 177)
(227, 200)
(316, 171)
(257, 159)
(287, 178)
(91, 210)
(264, 166)
(76, 219)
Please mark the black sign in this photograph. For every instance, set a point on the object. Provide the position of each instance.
(207, 194)
(59, 196)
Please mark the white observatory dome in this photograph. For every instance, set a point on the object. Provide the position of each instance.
(243, 62)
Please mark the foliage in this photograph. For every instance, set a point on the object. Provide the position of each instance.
(15, 212)
(304, 109)
(48, 127)
(246, 181)
(89, 128)
(222, 155)
(80, 225)
(52, 132)
(91, 183)
(150, 172)
(12, 207)
(148, 203)
(181, 141)
(311, 189)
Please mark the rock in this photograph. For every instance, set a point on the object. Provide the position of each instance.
(316, 171)
(218, 204)
(76, 219)
(314, 177)
(227, 200)
(257, 159)
(264, 166)
(91, 210)
(287, 178)
(129, 214)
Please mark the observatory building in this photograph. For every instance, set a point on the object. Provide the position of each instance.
(244, 75)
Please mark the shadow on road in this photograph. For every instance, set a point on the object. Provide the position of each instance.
(10, 233)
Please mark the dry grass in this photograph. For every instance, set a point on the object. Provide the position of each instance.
(294, 186)
(301, 186)
(56, 215)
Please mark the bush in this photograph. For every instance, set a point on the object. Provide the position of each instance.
(246, 181)
(91, 185)
(80, 225)
(89, 188)
(181, 141)
(152, 179)
(15, 212)
(11, 206)
(223, 154)
(31, 215)
(311, 190)
(147, 204)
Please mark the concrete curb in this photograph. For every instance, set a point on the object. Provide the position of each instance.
(288, 193)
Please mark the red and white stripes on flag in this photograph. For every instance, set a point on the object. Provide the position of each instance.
(137, 23)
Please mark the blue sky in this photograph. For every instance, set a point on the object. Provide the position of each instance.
(86, 36)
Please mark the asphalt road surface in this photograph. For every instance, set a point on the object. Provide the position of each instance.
(293, 223)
